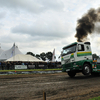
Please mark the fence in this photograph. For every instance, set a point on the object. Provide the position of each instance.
(29, 65)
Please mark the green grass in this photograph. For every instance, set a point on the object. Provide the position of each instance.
(96, 98)
(18, 70)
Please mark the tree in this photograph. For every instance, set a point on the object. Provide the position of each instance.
(95, 56)
(49, 56)
(37, 56)
(30, 53)
(43, 56)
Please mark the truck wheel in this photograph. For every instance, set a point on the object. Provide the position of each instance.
(71, 74)
(86, 69)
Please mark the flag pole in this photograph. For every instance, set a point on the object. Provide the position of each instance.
(53, 56)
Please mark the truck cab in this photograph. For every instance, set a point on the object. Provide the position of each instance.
(77, 57)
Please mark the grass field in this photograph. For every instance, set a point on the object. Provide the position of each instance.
(96, 98)
(22, 70)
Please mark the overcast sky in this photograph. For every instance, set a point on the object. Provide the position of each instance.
(42, 25)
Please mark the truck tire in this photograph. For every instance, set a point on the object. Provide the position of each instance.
(86, 69)
(71, 74)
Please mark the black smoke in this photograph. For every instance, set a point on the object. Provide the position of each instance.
(86, 24)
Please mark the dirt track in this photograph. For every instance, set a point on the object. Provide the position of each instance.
(57, 87)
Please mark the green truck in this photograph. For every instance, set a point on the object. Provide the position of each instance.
(77, 57)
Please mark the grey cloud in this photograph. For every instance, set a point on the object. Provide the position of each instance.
(55, 29)
(97, 28)
(52, 4)
(35, 6)
(21, 4)
(2, 15)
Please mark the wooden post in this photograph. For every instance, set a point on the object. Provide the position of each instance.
(44, 96)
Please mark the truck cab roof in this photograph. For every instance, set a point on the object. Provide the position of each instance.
(76, 43)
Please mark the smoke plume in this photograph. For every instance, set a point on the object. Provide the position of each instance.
(86, 24)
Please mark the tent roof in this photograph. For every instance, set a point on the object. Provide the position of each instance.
(22, 57)
(1, 50)
(10, 53)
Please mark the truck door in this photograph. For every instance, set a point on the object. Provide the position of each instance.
(80, 54)
(88, 50)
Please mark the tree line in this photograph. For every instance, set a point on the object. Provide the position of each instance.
(44, 56)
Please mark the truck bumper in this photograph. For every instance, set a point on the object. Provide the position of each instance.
(70, 67)
(96, 68)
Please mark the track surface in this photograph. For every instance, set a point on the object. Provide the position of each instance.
(57, 86)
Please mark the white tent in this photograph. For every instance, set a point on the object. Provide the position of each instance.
(1, 50)
(22, 57)
(10, 53)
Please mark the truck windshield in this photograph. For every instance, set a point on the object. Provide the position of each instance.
(68, 50)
